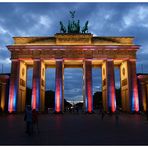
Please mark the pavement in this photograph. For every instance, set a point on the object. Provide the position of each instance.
(76, 129)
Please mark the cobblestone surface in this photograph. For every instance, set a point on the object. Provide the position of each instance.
(76, 129)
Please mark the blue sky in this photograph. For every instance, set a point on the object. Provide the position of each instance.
(105, 19)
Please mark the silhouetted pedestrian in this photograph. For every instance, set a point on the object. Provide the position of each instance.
(35, 120)
(28, 119)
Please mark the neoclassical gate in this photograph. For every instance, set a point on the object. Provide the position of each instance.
(73, 47)
(73, 50)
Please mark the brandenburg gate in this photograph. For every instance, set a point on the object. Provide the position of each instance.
(73, 49)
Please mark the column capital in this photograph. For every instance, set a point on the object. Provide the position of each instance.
(125, 60)
(36, 59)
(59, 60)
(110, 60)
(132, 60)
(87, 59)
(14, 60)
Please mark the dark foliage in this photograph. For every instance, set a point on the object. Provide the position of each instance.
(97, 98)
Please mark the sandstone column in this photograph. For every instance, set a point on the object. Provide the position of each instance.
(59, 100)
(142, 96)
(22, 87)
(88, 86)
(3, 96)
(146, 95)
(129, 90)
(13, 89)
(38, 85)
(17, 89)
(42, 86)
(108, 86)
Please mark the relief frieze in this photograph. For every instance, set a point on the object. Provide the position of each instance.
(72, 53)
(73, 40)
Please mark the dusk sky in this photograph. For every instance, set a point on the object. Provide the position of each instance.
(105, 19)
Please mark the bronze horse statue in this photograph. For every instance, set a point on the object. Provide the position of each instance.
(63, 29)
(85, 28)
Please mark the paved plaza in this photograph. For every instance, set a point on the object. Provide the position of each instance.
(76, 129)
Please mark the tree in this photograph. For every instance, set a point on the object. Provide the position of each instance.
(49, 99)
(28, 96)
(118, 97)
(97, 99)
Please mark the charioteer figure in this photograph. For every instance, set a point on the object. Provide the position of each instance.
(73, 26)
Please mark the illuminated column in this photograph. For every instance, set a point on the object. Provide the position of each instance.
(3, 96)
(38, 85)
(108, 86)
(0, 93)
(59, 100)
(63, 87)
(42, 87)
(12, 104)
(143, 95)
(134, 95)
(88, 86)
(21, 101)
(84, 106)
(146, 95)
(129, 90)
(124, 86)
(35, 102)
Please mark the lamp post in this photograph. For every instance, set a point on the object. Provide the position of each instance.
(2, 69)
(142, 68)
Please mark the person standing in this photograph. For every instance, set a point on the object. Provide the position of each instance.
(117, 117)
(29, 120)
(35, 119)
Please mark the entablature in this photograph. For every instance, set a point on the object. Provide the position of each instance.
(68, 47)
(78, 52)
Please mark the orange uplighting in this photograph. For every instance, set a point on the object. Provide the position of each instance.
(34, 95)
(11, 97)
(58, 91)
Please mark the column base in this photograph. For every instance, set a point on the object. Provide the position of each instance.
(134, 112)
(55, 112)
(92, 112)
(13, 112)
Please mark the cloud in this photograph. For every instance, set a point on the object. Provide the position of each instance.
(105, 19)
(71, 91)
(138, 16)
(74, 99)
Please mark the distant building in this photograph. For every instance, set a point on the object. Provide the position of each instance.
(143, 91)
(4, 91)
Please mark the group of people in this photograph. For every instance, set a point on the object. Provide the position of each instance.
(31, 119)
(102, 112)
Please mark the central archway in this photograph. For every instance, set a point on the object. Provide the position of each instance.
(73, 88)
